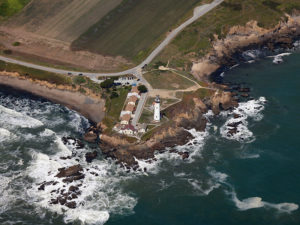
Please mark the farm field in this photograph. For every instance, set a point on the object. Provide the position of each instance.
(134, 27)
(63, 20)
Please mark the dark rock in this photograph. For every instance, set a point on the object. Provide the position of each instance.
(42, 185)
(73, 178)
(245, 95)
(184, 155)
(232, 131)
(65, 158)
(234, 124)
(73, 189)
(244, 90)
(90, 156)
(236, 116)
(70, 171)
(54, 201)
(62, 200)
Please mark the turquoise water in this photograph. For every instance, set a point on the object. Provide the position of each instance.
(251, 178)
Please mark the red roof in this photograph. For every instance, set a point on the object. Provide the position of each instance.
(129, 127)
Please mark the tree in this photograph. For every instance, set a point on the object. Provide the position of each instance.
(142, 89)
(107, 83)
(114, 95)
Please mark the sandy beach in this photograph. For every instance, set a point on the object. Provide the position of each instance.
(91, 108)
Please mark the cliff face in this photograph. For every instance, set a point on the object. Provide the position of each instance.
(240, 38)
(89, 105)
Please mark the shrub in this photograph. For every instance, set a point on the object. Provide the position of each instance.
(114, 95)
(79, 80)
(142, 89)
(16, 43)
(107, 83)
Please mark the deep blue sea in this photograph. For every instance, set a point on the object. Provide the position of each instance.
(252, 177)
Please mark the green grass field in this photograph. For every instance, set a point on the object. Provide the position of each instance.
(11, 7)
(134, 27)
(167, 80)
(36, 74)
(197, 38)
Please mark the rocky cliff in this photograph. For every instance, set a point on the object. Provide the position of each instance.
(241, 38)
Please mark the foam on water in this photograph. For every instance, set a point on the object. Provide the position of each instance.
(279, 58)
(250, 109)
(100, 195)
(257, 202)
(11, 118)
(5, 196)
(193, 147)
(252, 202)
(5, 135)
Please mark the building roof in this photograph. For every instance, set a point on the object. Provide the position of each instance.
(129, 108)
(128, 127)
(132, 98)
(126, 117)
(135, 89)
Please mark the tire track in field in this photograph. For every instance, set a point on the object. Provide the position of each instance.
(61, 21)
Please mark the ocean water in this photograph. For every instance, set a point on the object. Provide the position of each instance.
(252, 177)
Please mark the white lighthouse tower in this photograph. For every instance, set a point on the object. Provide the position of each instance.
(157, 109)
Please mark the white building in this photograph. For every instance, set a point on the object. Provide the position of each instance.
(157, 109)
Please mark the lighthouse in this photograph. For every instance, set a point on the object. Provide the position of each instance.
(157, 109)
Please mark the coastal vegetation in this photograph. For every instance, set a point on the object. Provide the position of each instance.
(114, 107)
(36, 74)
(197, 39)
(10, 7)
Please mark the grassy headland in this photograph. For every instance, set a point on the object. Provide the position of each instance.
(196, 40)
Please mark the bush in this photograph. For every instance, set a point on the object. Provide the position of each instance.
(114, 95)
(79, 80)
(16, 43)
(107, 83)
(142, 89)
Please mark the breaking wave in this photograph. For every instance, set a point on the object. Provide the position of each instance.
(236, 127)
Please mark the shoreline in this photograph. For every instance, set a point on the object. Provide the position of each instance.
(91, 108)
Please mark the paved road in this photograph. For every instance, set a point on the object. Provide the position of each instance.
(198, 12)
(139, 109)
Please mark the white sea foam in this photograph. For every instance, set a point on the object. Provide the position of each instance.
(5, 135)
(252, 202)
(11, 118)
(257, 202)
(100, 195)
(236, 65)
(279, 58)
(251, 54)
(47, 133)
(5, 196)
(251, 109)
(250, 156)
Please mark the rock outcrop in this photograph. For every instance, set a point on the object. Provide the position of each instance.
(241, 38)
